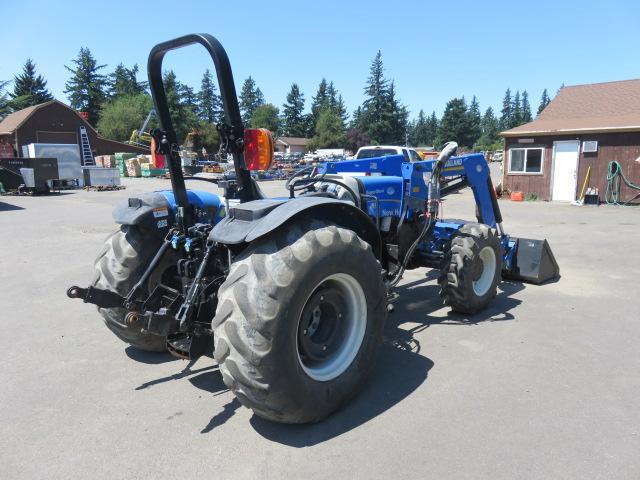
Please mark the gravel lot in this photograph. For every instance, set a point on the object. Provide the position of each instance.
(543, 385)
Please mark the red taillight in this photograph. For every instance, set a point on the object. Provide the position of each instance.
(258, 148)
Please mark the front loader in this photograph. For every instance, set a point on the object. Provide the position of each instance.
(289, 294)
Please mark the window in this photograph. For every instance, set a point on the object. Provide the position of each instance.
(525, 160)
(375, 152)
(414, 156)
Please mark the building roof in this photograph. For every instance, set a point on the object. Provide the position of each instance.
(591, 108)
(294, 141)
(13, 121)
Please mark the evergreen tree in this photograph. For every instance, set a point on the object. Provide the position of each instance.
(250, 98)
(188, 97)
(356, 138)
(432, 130)
(182, 115)
(319, 103)
(398, 118)
(266, 116)
(86, 87)
(544, 101)
(474, 120)
(5, 107)
(374, 116)
(490, 129)
(124, 81)
(294, 123)
(29, 88)
(517, 111)
(506, 117)
(526, 108)
(418, 135)
(209, 103)
(453, 126)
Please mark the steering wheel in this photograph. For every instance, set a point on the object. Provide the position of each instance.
(304, 176)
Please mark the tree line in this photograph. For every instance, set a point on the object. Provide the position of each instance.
(117, 103)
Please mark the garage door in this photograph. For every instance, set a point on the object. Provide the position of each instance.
(565, 170)
(56, 137)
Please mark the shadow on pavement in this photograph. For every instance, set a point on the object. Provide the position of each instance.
(6, 207)
(150, 358)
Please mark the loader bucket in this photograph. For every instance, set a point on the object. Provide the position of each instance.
(533, 262)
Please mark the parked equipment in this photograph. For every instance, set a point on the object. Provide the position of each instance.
(41, 171)
(290, 294)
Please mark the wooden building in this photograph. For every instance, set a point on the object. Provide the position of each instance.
(584, 126)
(292, 145)
(55, 122)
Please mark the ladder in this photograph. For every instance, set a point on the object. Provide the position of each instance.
(85, 148)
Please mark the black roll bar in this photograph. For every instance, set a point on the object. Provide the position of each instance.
(233, 120)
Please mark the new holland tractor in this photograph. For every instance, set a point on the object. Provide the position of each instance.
(290, 294)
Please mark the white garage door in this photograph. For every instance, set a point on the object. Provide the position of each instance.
(565, 170)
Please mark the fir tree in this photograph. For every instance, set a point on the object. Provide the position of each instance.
(294, 123)
(506, 117)
(251, 97)
(517, 111)
(453, 126)
(29, 88)
(474, 119)
(209, 102)
(124, 81)
(86, 87)
(544, 101)
(526, 108)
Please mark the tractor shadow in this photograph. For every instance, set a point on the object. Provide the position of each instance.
(400, 367)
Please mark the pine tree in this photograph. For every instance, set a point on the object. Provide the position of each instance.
(374, 117)
(319, 103)
(251, 97)
(526, 108)
(506, 117)
(453, 126)
(182, 115)
(490, 130)
(474, 119)
(418, 130)
(124, 81)
(266, 116)
(517, 111)
(86, 87)
(398, 118)
(209, 102)
(5, 107)
(544, 101)
(432, 129)
(29, 88)
(294, 123)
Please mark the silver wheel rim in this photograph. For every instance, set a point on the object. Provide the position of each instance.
(344, 324)
(488, 258)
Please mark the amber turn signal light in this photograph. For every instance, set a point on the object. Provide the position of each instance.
(258, 148)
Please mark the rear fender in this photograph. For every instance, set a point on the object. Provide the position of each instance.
(251, 221)
(151, 211)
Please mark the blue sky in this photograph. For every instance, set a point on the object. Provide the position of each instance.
(433, 50)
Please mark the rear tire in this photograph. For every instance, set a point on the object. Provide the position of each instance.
(122, 261)
(304, 277)
(472, 269)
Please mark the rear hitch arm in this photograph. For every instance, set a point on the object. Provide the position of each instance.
(101, 298)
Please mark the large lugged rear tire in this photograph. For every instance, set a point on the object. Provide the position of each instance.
(299, 320)
(119, 266)
(472, 269)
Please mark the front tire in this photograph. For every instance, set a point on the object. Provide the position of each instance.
(298, 322)
(472, 269)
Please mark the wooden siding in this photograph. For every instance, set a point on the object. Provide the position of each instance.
(623, 147)
(59, 118)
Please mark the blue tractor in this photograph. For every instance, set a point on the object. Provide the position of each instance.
(290, 295)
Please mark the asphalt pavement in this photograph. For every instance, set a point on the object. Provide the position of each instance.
(545, 384)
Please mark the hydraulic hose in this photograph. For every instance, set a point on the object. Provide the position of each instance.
(615, 177)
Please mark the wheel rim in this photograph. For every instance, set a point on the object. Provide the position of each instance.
(488, 260)
(331, 327)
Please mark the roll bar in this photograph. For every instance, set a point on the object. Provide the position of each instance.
(232, 131)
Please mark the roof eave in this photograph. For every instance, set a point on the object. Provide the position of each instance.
(569, 131)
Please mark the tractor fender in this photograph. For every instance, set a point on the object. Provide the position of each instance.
(253, 220)
(149, 210)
